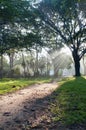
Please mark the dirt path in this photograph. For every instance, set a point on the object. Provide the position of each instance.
(25, 109)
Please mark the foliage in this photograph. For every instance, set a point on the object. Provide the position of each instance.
(10, 85)
(26, 24)
(69, 106)
(16, 18)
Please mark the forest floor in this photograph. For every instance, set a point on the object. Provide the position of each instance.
(29, 109)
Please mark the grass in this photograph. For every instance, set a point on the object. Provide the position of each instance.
(70, 101)
(10, 85)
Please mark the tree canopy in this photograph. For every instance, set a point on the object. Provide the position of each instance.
(17, 24)
(50, 23)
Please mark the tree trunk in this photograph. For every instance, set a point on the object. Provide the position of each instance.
(1, 68)
(77, 68)
(11, 56)
(24, 65)
(76, 63)
(36, 63)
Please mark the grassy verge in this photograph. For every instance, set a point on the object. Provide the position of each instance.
(70, 101)
(11, 85)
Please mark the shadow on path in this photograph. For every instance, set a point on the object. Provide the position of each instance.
(34, 113)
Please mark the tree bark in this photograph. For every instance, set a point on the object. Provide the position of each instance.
(77, 68)
(76, 62)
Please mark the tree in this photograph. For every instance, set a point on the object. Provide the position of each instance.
(11, 54)
(4, 66)
(15, 18)
(66, 19)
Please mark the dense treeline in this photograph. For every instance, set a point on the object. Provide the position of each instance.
(51, 24)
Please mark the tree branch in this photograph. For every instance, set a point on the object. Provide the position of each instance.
(51, 24)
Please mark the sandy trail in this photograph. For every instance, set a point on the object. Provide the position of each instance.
(19, 106)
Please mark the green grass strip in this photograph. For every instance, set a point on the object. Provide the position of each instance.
(10, 85)
(70, 101)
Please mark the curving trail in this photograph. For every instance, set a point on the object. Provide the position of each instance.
(26, 109)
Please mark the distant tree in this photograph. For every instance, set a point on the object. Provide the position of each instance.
(4, 66)
(43, 65)
(11, 54)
